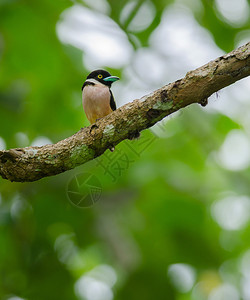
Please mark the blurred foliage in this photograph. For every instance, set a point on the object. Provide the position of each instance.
(155, 206)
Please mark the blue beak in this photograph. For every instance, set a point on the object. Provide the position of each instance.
(111, 78)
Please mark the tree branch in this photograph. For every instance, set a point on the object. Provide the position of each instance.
(33, 163)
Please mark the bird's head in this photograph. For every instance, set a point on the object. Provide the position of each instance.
(103, 77)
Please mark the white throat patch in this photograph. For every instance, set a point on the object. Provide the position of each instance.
(94, 81)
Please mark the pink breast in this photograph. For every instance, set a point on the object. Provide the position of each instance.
(96, 101)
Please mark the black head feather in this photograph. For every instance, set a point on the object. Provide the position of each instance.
(99, 75)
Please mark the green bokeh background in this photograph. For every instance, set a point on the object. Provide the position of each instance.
(153, 213)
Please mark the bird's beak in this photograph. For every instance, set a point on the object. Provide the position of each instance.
(111, 78)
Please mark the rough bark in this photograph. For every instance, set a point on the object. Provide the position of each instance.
(33, 163)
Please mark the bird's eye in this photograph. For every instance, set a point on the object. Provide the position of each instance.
(100, 76)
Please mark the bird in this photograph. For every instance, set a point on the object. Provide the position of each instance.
(97, 98)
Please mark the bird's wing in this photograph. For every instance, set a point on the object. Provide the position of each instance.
(112, 101)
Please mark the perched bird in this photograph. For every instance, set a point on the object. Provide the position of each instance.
(97, 98)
